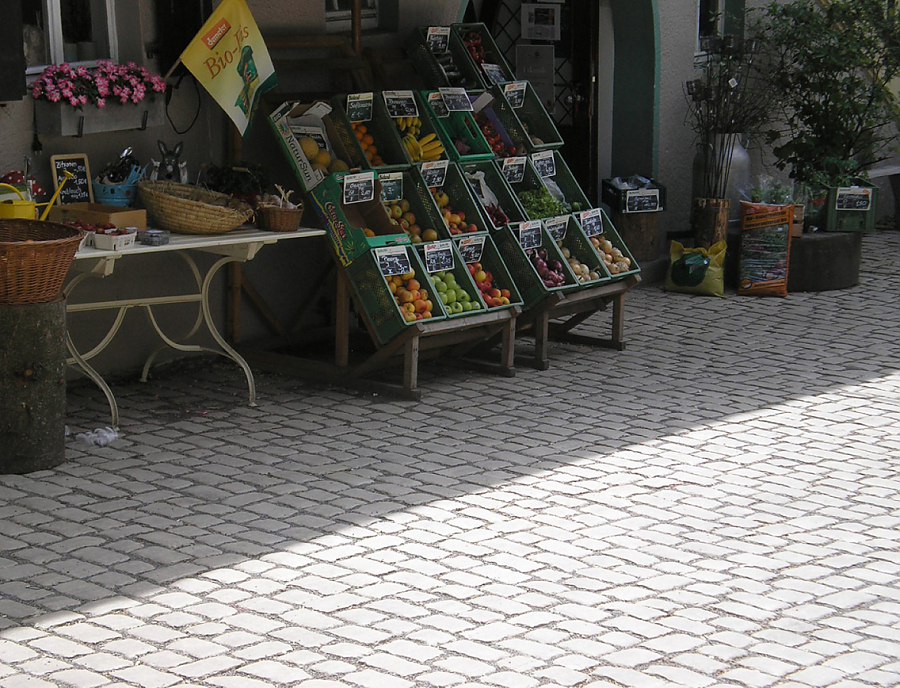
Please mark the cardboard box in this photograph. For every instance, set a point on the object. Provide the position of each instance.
(344, 223)
(311, 118)
(114, 242)
(97, 213)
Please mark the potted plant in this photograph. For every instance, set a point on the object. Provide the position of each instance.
(242, 180)
(830, 66)
(725, 103)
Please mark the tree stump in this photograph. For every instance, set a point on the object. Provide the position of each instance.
(640, 232)
(709, 220)
(32, 386)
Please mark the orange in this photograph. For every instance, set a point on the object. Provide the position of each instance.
(368, 140)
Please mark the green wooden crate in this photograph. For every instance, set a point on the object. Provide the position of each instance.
(461, 199)
(433, 73)
(426, 128)
(463, 279)
(501, 189)
(530, 182)
(492, 262)
(532, 119)
(384, 133)
(459, 126)
(581, 248)
(848, 220)
(610, 232)
(421, 204)
(575, 197)
(375, 297)
(492, 52)
(346, 133)
(523, 272)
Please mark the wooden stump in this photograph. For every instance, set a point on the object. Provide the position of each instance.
(709, 220)
(32, 386)
(640, 232)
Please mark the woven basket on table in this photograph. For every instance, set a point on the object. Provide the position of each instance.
(191, 210)
(34, 259)
(276, 219)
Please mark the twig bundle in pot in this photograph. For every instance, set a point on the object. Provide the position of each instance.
(277, 213)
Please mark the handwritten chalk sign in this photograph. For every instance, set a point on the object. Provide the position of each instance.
(78, 189)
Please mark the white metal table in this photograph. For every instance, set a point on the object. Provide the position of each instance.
(237, 246)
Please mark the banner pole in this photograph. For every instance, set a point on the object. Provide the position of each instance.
(172, 69)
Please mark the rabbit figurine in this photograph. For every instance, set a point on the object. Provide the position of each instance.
(169, 168)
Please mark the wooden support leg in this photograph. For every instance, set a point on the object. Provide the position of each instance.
(541, 341)
(411, 365)
(508, 348)
(342, 322)
(618, 322)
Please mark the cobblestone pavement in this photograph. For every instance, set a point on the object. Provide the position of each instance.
(715, 506)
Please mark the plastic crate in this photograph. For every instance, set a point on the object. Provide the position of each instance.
(383, 132)
(530, 182)
(569, 186)
(617, 199)
(461, 199)
(581, 248)
(428, 66)
(344, 130)
(509, 139)
(459, 125)
(850, 220)
(492, 262)
(498, 185)
(524, 274)
(426, 127)
(463, 279)
(492, 53)
(532, 119)
(610, 232)
(420, 202)
(375, 297)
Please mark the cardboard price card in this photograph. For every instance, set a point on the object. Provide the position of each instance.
(401, 104)
(515, 93)
(392, 260)
(439, 256)
(530, 234)
(514, 169)
(556, 226)
(456, 99)
(642, 201)
(359, 106)
(545, 163)
(435, 173)
(471, 249)
(359, 188)
(494, 72)
(437, 38)
(391, 186)
(591, 222)
(438, 106)
(853, 198)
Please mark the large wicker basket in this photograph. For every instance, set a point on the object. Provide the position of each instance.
(190, 209)
(34, 259)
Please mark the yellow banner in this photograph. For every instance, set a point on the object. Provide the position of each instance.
(230, 60)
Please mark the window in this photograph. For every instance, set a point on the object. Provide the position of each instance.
(75, 31)
(708, 15)
(337, 14)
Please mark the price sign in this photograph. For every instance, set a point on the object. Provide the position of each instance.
(359, 106)
(515, 93)
(545, 163)
(591, 222)
(853, 198)
(642, 201)
(401, 104)
(359, 188)
(391, 186)
(514, 169)
(556, 226)
(437, 38)
(471, 249)
(78, 188)
(530, 234)
(438, 106)
(456, 99)
(494, 72)
(392, 260)
(439, 256)
(435, 173)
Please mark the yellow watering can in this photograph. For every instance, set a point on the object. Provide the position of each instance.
(24, 209)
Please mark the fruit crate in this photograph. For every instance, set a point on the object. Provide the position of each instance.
(421, 205)
(532, 119)
(345, 133)
(510, 147)
(461, 274)
(609, 232)
(575, 197)
(617, 199)
(462, 126)
(492, 262)
(426, 128)
(524, 274)
(492, 53)
(429, 67)
(530, 182)
(376, 299)
(461, 199)
(383, 132)
(501, 190)
(580, 247)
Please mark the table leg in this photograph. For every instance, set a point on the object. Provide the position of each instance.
(95, 376)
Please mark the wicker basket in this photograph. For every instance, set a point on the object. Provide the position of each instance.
(34, 259)
(276, 219)
(192, 210)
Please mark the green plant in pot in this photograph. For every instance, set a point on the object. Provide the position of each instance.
(830, 66)
(725, 103)
(242, 180)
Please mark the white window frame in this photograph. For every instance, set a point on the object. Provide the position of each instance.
(53, 16)
(340, 20)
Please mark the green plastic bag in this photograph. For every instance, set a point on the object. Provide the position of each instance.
(696, 270)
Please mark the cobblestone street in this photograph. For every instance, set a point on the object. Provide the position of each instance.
(717, 505)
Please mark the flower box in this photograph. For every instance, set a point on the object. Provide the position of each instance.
(61, 119)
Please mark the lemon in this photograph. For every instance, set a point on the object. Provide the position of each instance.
(309, 146)
(323, 158)
(321, 168)
(338, 165)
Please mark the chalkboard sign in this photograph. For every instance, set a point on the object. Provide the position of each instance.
(392, 260)
(456, 99)
(591, 222)
(514, 169)
(556, 226)
(78, 189)
(530, 234)
(391, 186)
(494, 72)
(545, 163)
(515, 93)
(359, 188)
(401, 103)
(471, 249)
(853, 198)
(438, 106)
(642, 201)
(359, 106)
(435, 173)
(438, 38)
(439, 256)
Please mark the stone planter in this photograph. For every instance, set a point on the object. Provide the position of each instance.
(60, 119)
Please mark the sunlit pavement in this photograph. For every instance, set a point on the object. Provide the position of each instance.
(715, 505)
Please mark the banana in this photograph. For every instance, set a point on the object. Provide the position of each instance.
(427, 139)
